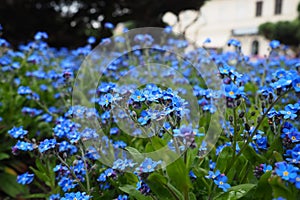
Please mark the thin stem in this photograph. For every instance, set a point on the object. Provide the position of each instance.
(172, 192)
(40, 186)
(212, 191)
(86, 172)
(257, 127)
(235, 133)
(71, 171)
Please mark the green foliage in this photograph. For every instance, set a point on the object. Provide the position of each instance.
(10, 186)
(287, 32)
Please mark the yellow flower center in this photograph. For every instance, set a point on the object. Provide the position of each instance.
(75, 198)
(288, 112)
(280, 75)
(286, 173)
(293, 138)
(298, 85)
(221, 183)
(149, 167)
(231, 93)
(138, 97)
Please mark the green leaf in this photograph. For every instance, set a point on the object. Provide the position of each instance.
(137, 156)
(251, 154)
(192, 196)
(10, 186)
(40, 165)
(41, 175)
(278, 157)
(130, 189)
(236, 192)
(279, 188)
(223, 158)
(179, 175)
(4, 156)
(264, 189)
(159, 185)
(38, 195)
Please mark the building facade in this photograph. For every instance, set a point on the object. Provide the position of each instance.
(221, 20)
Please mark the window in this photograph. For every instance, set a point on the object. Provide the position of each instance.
(254, 48)
(258, 11)
(278, 7)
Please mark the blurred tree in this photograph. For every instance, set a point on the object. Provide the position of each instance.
(287, 32)
(69, 22)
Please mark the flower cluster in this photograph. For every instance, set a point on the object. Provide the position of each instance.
(103, 148)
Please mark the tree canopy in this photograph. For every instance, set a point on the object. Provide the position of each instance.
(69, 22)
(287, 32)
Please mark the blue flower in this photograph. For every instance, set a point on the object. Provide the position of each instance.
(122, 197)
(31, 111)
(192, 174)
(144, 118)
(25, 178)
(76, 111)
(213, 175)
(274, 44)
(143, 187)
(281, 73)
(107, 173)
(92, 153)
(148, 165)
(17, 132)
(108, 25)
(54, 197)
(123, 164)
(296, 84)
(138, 96)
(225, 70)
(66, 184)
(119, 144)
(102, 177)
(294, 154)
(272, 113)
(267, 168)
(105, 100)
(286, 171)
(221, 182)
(47, 144)
(289, 112)
(91, 40)
(114, 131)
(232, 91)
(207, 40)
(40, 36)
(24, 146)
(24, 90)
(282, 83)
(76, 196)
(234, 42)
(64, 146)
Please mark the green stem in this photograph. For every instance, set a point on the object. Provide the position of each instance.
(86, 172)
(40, 186)
(71, 171)
(172, 192)
(257, 127)
(235, 133)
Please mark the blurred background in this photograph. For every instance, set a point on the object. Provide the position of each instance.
(69, 22)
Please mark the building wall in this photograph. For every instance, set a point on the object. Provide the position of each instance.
(218, 18)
